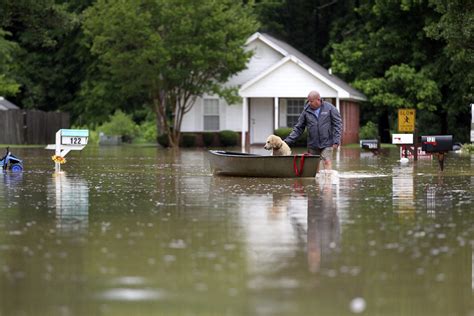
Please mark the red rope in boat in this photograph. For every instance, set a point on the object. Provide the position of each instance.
(299, 171)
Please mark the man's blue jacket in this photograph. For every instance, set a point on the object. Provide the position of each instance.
(323, 132)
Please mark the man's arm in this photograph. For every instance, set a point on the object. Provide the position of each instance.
(336, 123)
(298, 129)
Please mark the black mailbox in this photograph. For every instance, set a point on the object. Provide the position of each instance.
(437, 144)
(369, 144)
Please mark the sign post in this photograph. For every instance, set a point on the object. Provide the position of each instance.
(67, 140)
(406, 124)
(472, 122)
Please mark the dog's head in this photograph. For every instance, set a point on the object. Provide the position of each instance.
(273, 142)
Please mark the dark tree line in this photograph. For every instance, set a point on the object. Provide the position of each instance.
(401, 53)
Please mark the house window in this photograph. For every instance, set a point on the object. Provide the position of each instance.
(211, 114)
(294, 107)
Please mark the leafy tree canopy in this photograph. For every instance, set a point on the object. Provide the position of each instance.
(404, 53)
(46, 64)
(402, 86)
(170, 50)
(8, 86)
(456, 28)
(305, 24)
(159, 54)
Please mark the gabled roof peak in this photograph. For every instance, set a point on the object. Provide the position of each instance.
(265, 38)
(295, 55)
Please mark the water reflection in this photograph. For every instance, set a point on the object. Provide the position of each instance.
(298, 215)
(43, 252)
(279, 207)
(403, 190)
(439, 196)
(10, 185)
(69, 196)
(12, 179)
(163, 236)
(323, 232)
(271, 223)
(130, 294)
(472, 167)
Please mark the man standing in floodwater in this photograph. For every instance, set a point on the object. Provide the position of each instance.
(324, 125)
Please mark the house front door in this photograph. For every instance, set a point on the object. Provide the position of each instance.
(261, 119)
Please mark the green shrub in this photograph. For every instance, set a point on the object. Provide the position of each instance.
(188, 140)
(163, 140)
(228, 138)
(93, 138)
(207, 138)
(369, 131)
(468, 148)
(283, 132)
(120, 124)
(147, 132)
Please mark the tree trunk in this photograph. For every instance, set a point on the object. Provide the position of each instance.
(174, 136)
(384, 128)
(169, 101)
(160, 104)
(159, 124)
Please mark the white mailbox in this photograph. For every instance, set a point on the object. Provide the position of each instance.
(74, 137)
(402, 139)
(67, 140)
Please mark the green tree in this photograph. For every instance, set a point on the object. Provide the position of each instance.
(305, 24)
(401, 86)
(455, 68)
(8, 86)
(120, 124)
(398, 54)
(170, 50)
(49, 62)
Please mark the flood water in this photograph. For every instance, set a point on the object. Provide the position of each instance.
(147, 231)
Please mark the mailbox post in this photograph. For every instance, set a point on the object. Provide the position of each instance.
(472, 122)
(403, 140)
(67, 140)
(406, 123)
(438, 145)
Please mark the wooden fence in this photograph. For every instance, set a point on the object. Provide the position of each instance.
(31, 126)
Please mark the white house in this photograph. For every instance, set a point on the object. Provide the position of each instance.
(274, 88)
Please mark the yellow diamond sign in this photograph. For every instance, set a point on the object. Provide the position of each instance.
(406, 120)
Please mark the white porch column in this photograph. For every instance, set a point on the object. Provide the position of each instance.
(245, 111)
(338, 107)
(276, 111)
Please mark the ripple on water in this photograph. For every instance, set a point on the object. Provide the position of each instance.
(132, 295)
(260, 283)
(129, 280)
(360, 175)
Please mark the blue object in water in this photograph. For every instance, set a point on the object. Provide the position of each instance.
(10, 162)
(16, 167)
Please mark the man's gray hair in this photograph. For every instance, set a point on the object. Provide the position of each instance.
(313, 95)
